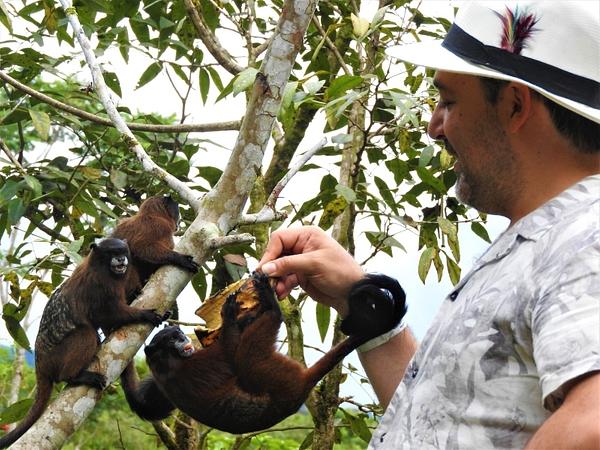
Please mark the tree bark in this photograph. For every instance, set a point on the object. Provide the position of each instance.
(218, 213)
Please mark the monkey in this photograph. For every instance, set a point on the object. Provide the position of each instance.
(149, 234)
(92, 297)
(240, 383)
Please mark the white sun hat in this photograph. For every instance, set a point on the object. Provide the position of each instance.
(551, 46)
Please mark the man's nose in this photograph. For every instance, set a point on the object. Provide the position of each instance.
(435, 129)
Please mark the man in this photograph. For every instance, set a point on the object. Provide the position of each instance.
(513, 358)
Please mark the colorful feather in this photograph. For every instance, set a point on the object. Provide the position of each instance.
(517, 26)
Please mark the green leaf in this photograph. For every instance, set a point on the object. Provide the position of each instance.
(199, 284)
(149, 74)
(332, 210)
(323, 314)
(426, 155)
(140, 29)
(210, 174)
(71, 249)
(34, 185)
(480, 231)
(425, 262)
(244, 80)
(358, 425)
(453, 271)
(8, 191)
(439, 266)
(432, 181)
(104, 208)
(41, 123)
(339, 86)
(5, 17)
(346, 192)
(16, 331)
(386, 194)
(112, 81)
(288, 94)
(118, 178)
(16, 411)
(235, 271)
(16, 209)
(179, 168)
(453, 243)
(447, 226)
(308, 441)
(204, 80)
(216, 78)
(446, 159)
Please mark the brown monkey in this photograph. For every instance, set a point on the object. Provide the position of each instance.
(93, 297)
(240, 383)
(149, 234)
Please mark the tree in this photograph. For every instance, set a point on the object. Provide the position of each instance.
(77, 158)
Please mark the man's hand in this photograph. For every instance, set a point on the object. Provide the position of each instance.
(309, 258)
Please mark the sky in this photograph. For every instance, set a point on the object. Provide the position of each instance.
(423, 299)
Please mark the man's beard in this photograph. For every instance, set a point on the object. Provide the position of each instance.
(494, 186)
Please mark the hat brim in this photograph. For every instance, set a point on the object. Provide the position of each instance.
(431, 54)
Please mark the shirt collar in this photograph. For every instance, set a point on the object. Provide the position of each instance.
(533, 226)
(579, 196)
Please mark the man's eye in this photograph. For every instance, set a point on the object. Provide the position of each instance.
(445, 103)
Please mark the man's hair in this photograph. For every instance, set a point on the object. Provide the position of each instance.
(583, 133)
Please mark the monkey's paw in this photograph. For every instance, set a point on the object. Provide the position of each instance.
(230, 309)
(188, 263)
(151, 316)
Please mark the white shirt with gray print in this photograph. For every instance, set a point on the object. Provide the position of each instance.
(520, 325)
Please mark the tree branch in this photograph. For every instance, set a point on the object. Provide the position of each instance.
(155, 128)
(331, 46)
(210, 40)
(246, 159)
(218, 211)
(268, 213)
(190, 196)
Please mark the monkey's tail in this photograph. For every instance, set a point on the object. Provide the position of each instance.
(42, 397)
(328, 361)
(145, 398)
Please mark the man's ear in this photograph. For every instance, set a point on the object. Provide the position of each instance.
(518, 105)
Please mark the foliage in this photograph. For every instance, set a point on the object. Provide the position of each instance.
(112, 425)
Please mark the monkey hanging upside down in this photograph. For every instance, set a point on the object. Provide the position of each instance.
(240, 383)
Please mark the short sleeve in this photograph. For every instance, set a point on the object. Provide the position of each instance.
(566, 323)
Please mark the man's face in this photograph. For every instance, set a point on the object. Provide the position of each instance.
(471, 128)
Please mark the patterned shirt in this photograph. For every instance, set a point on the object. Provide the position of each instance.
(510, 336)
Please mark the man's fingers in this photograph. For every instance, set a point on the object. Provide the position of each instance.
(291, 264)
(285, 285)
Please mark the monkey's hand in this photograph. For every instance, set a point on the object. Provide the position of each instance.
(230, 310)
(151, 316)
(187, 262)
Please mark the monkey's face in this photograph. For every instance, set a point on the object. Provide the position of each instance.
(172, 341)
(172, 208)
(113, 254)
(119, 264)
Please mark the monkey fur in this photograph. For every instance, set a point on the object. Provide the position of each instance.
(149, 234)
(93, 297)
(240, 383)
